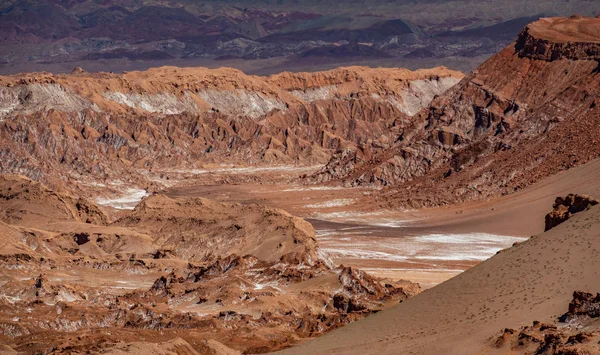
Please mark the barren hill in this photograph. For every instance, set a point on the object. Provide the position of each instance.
(60, 127)
(532, 281)
(201, 230)
(172, 276)
(525, 114)
(25, 202)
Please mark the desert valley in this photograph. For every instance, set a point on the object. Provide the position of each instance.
(363, 209)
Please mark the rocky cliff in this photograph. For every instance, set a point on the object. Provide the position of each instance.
(527, 113)
(575, 38)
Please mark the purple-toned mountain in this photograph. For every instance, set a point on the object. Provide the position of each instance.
(259, 37)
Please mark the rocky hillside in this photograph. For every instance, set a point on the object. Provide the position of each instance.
(60, 127)
(266, 233)
(525, 114)
(171, 274)
(25, 202)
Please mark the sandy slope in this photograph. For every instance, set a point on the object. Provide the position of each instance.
(532, 281)
(574, 29)
(521, 213)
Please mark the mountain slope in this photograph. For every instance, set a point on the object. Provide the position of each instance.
(527, 113)
(57, 127)
(532, 281)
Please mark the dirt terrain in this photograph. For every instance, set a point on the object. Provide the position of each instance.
(249, 276)
(532, 281)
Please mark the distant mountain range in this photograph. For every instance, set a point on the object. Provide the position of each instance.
(260, 37)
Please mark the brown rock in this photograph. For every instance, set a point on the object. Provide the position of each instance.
(108, 125)
(564, 208)
(78, 70)
(583, 305)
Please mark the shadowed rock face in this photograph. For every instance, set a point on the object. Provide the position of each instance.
(575, 38)
(565, 208)
(525, 114)
(583, 305)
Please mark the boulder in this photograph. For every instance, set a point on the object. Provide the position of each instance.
(564, 208)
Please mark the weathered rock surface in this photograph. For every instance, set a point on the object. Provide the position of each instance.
(200, 230)
(580, 336)
(59, 128)
(583, 305)
(564, 208)
(26, 202)
(575, 38)
(171, 276)
(547, 339)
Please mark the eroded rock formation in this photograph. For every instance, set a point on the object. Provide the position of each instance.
(583, 305)
(174, 273)
(564, 208)
(578, 337)
(57, 128)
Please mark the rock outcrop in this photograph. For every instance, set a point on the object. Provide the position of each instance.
(574, 38)
(26, 202)
(548, 339)
(201, 230)
(564, 208)
(579, 336)
(583, 305)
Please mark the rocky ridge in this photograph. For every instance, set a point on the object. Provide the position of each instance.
(565, 208)
(492, 133)
(26, 202)
(57, 128)
(575, 38)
